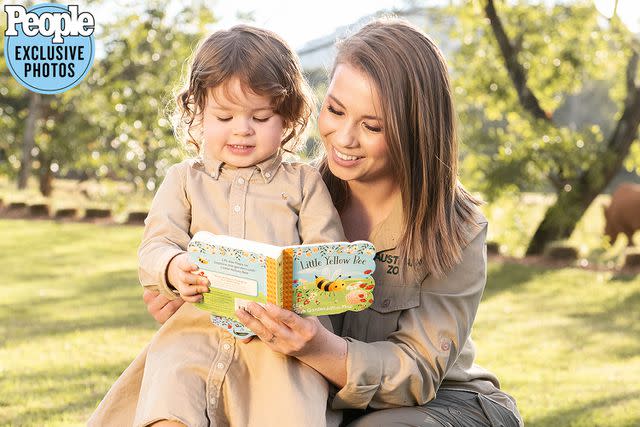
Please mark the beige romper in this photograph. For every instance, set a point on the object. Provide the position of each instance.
(192, 371)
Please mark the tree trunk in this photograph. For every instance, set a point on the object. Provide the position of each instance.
(561, 219)
(46, 177)
(28, 141)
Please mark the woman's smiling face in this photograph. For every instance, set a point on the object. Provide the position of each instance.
(352, 129)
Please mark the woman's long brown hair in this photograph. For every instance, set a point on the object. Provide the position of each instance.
(411, 77)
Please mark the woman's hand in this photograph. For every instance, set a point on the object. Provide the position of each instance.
(181, 276)
(301, 337)
(159, 306)
(282, 330)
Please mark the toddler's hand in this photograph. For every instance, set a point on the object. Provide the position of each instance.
(181, 276)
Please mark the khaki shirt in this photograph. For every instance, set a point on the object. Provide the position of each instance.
(274, 202)
(416, 335)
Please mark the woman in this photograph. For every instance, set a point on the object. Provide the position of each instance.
(388, 127)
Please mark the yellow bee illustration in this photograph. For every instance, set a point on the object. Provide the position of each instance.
(203, 260)
(330, 285)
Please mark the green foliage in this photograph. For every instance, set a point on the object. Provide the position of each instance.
(115, 123)
(632, 163)
(13, 104)
(131, 88)
(575, 62)
(513, 218)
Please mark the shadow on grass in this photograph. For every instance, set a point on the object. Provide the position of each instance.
(105, 301)
(565, 416)
(625, 276)
(620, 317)
(78, 389)
(504, 275)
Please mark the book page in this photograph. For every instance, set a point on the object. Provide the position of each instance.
(236, 243)
(237, 275)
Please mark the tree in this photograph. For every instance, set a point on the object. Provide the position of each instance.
(129, 91)
(515, 71)
(114, 124)
(14, 104)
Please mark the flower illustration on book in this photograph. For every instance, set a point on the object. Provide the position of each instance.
(356, 297)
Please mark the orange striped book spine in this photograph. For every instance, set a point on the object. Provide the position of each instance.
(287, 279)
(272, 281)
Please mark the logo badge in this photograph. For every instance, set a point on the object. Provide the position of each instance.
(49, 48)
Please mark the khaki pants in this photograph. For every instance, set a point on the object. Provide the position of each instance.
(451, 408)
(196, 373)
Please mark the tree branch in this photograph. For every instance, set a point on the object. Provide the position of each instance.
(626, 129)
(516, 72)
(556, 181)
(632, 69)
(624, 134)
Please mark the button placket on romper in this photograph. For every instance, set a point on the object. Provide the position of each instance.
(217, 373)
(238, 201)
(224, 357)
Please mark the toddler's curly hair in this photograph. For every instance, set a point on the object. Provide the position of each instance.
(265, 65)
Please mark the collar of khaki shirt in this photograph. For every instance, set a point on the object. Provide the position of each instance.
(267, 167)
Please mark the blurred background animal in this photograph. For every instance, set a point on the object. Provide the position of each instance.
(623, 213)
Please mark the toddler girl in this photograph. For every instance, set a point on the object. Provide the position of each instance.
(245, 102)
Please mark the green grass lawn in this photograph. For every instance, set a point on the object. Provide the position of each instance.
(564, 342)
(71, 318)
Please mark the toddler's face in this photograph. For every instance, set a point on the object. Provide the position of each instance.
(239, 127)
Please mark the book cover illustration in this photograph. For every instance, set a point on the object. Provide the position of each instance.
(311, 280)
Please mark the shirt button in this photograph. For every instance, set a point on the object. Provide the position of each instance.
(220, 365)
(386, 303)
(241, 180)
(237, 208)
(267, 174)
(226, 346)
(213, 400)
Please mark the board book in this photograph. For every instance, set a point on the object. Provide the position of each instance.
(310, 280)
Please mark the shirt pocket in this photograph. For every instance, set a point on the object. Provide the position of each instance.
(395, 296)
(396, 290)
(397, 285)
(390, 300)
